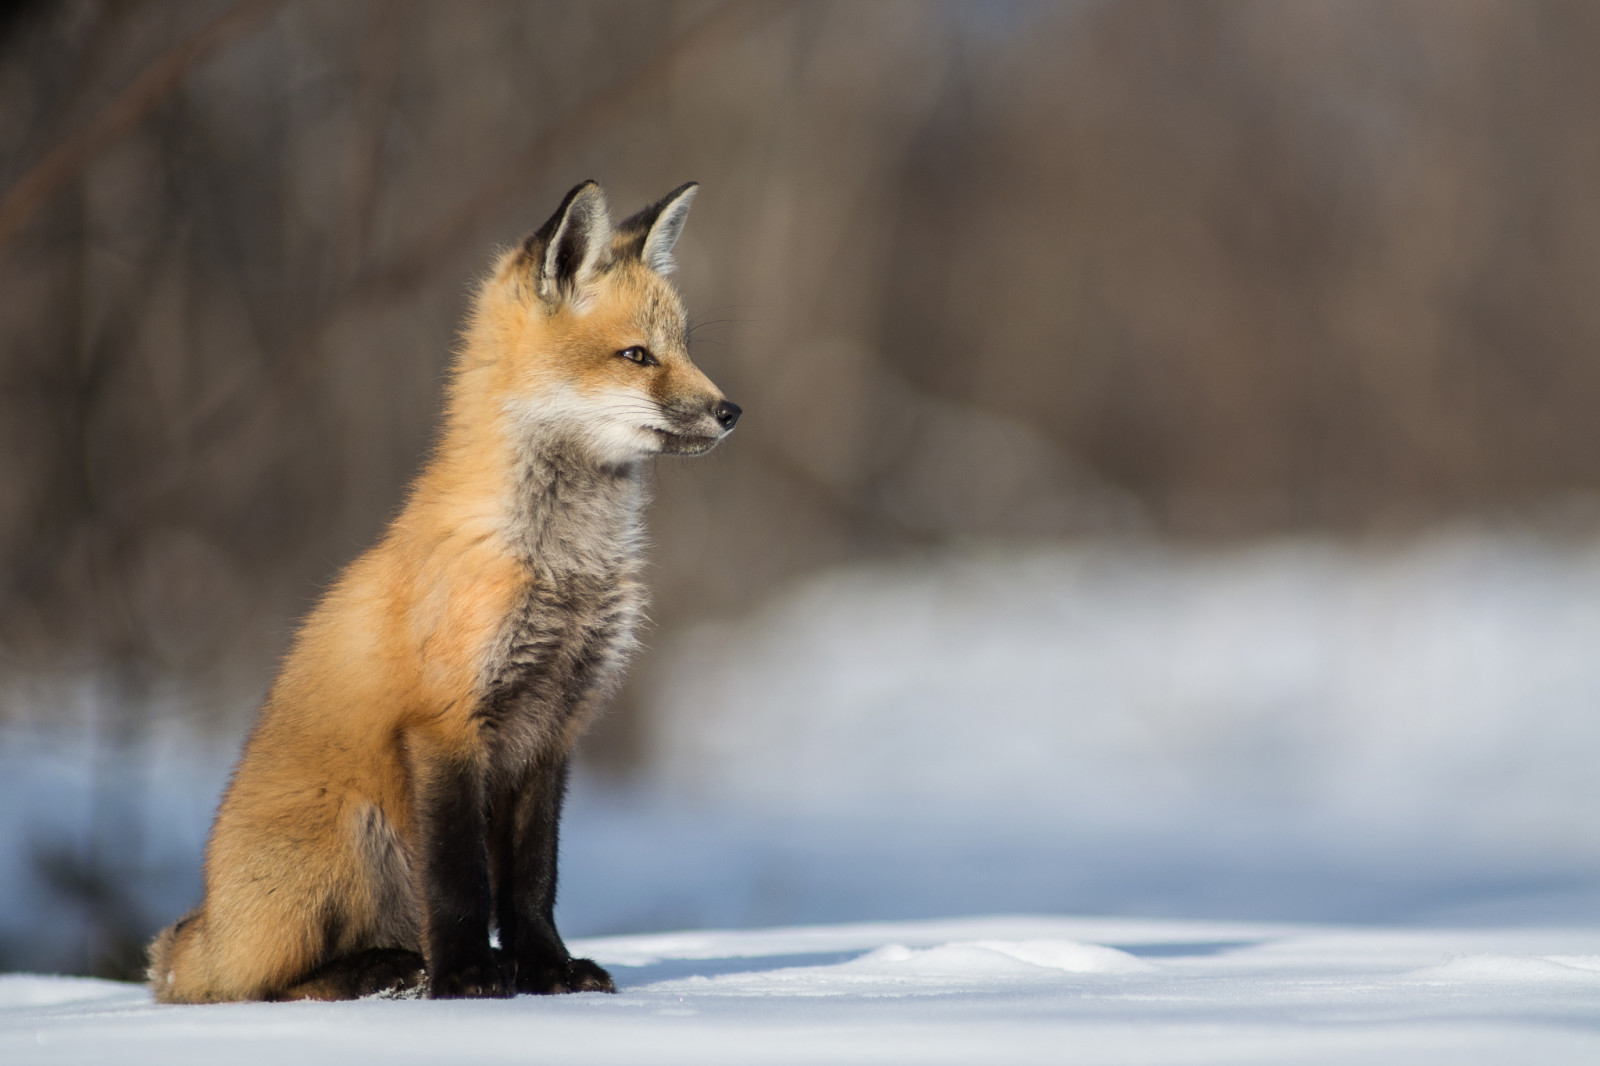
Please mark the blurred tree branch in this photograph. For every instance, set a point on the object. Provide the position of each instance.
(236, 413)
(238, 409)
(723, 27)
(380, 70)
(160, 80)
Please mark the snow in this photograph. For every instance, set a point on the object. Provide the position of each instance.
(1014, 990)
(1327, 804)
(1446, 685)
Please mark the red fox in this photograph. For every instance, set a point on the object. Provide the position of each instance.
(400, 794)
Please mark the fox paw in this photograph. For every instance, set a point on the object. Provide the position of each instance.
(474, 981)
(584, 975)
(391, 973)
(569, 975)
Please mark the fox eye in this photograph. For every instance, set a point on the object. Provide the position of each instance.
(639, 354)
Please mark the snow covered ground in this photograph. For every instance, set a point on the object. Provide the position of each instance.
(1449, 685)
(1012, 990)
(1396, 744)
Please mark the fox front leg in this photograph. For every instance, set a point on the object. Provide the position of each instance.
(455, 889)
(528, 842)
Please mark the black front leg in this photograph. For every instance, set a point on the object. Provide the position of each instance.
(455, 883)
(529, 841)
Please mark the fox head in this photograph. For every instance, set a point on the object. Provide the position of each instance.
(584, 342)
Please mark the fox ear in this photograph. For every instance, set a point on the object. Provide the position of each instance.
(649, 235)
(569, 250)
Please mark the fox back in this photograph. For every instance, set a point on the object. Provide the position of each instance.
(400, 795)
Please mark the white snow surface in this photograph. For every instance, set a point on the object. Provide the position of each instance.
(1232, 750)
(1447, 685)
(1012, 990)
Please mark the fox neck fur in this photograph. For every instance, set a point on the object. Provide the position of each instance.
(555, 533)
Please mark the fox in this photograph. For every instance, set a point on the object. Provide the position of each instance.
(392, 823)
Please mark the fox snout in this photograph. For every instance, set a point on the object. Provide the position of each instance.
(697, 427)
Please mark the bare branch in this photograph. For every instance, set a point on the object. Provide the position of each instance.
(236, 410)
(724, 26)
(160, 80)
(379, 71)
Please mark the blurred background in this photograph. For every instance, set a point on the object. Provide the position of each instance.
(1170, 482)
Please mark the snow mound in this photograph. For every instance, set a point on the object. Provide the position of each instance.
(1582, 962)
(962, 966)
(999, 957)
(1513, 969)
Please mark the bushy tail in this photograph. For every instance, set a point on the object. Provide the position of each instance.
(172, 955)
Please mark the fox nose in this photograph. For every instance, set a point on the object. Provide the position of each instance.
(726, 413)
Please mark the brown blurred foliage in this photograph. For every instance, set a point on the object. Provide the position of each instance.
(1196, 269)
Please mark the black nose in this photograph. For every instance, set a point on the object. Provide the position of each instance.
(726, 413)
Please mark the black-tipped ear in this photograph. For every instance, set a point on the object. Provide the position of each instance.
(649, 235)
(570, 249)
